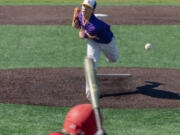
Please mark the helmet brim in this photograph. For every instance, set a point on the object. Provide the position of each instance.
(88, 5)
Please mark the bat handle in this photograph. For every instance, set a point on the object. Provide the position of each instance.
(100, 132)
(98, 119)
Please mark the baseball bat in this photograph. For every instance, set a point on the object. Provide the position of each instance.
(90, 75)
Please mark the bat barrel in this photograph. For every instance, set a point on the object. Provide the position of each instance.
(90, 75)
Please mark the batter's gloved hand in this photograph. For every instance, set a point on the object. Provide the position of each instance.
(75, 19)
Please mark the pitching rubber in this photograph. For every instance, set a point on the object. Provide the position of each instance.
(115, 75)
(101, 15)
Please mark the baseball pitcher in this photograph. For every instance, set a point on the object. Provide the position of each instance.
(98, 34)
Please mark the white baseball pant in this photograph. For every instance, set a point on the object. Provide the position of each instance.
(110, 51)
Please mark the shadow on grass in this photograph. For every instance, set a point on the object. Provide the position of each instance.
(149, 90)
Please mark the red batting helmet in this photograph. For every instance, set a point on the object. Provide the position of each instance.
(80, 120)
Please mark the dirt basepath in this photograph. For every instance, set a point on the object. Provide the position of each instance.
(148, 88)
(62, 15)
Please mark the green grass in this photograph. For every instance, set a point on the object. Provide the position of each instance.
(100, 2)
(60, 46)
(41, 120)
(44, 46)
(131, 41)
(30, 120)
(142, 121)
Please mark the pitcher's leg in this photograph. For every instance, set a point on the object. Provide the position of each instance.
(93, 51)
(88, 94)
(111, 51)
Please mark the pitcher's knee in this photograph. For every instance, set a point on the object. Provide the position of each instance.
(113, 60)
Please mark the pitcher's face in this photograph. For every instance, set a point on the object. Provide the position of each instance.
(86, 11)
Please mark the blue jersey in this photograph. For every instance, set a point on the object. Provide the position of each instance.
(96, 27)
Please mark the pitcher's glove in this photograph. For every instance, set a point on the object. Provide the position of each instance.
(75, 20)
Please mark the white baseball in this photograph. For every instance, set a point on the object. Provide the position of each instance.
(148, 46)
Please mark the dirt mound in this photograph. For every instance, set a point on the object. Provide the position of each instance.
(147, 88)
